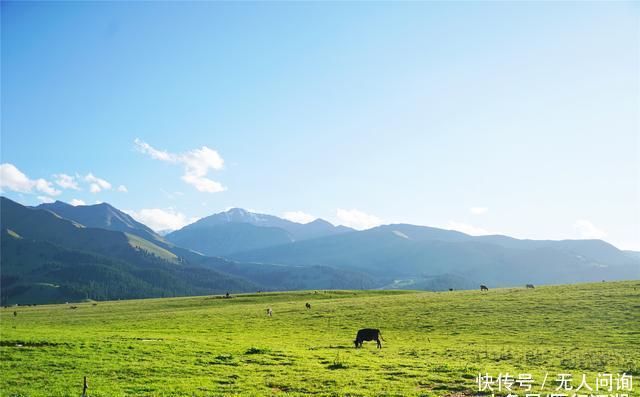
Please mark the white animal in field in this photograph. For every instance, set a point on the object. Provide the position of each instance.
(269, 312)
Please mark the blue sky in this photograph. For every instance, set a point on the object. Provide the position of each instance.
(514, 118)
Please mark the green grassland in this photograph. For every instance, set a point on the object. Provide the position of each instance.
(435, 343)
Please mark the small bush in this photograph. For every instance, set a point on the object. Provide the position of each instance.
(256, 350)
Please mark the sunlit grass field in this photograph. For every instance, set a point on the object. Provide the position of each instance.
(435, 343)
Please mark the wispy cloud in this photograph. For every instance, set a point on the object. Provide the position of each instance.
(478, 210)
(96, 184)
(298, 216)
(66, 181)
(15, 180)
(123, 189)
(161, 219)
(45, 186)
(357, 219)
(197, 163)
(586, 229)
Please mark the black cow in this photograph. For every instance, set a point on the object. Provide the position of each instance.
(368, 334)
(307, 305)
(450, 289)
(530, 286)
(484, 288)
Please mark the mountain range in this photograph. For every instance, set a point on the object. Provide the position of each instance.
(408, 252)
(47, 258)
(57, 252)
(239, 230)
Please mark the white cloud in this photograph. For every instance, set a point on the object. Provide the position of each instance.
(203, 184)
(96, 184)
(298, 216)
(46, 187)
(197, 164)
(588, 229)
(13, 179)
(46, 199)
(161, 219)
(66, 181)
(466, 228)
(357, 219)
(76, 202)
(122, 188)
(478, 210)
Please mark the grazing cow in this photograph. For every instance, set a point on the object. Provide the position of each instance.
(450, 289)
(484, 288)
(367, 334)
(530, 286)
(307, 305)
(15, 314)
(73, 307)
(269, 312)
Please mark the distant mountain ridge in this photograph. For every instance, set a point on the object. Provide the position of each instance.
(239, 230)
(401, 251)
(102, 216)
(298, 231)
(106, 216)
(58, 252)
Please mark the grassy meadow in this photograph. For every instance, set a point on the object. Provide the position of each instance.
(435, 343)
